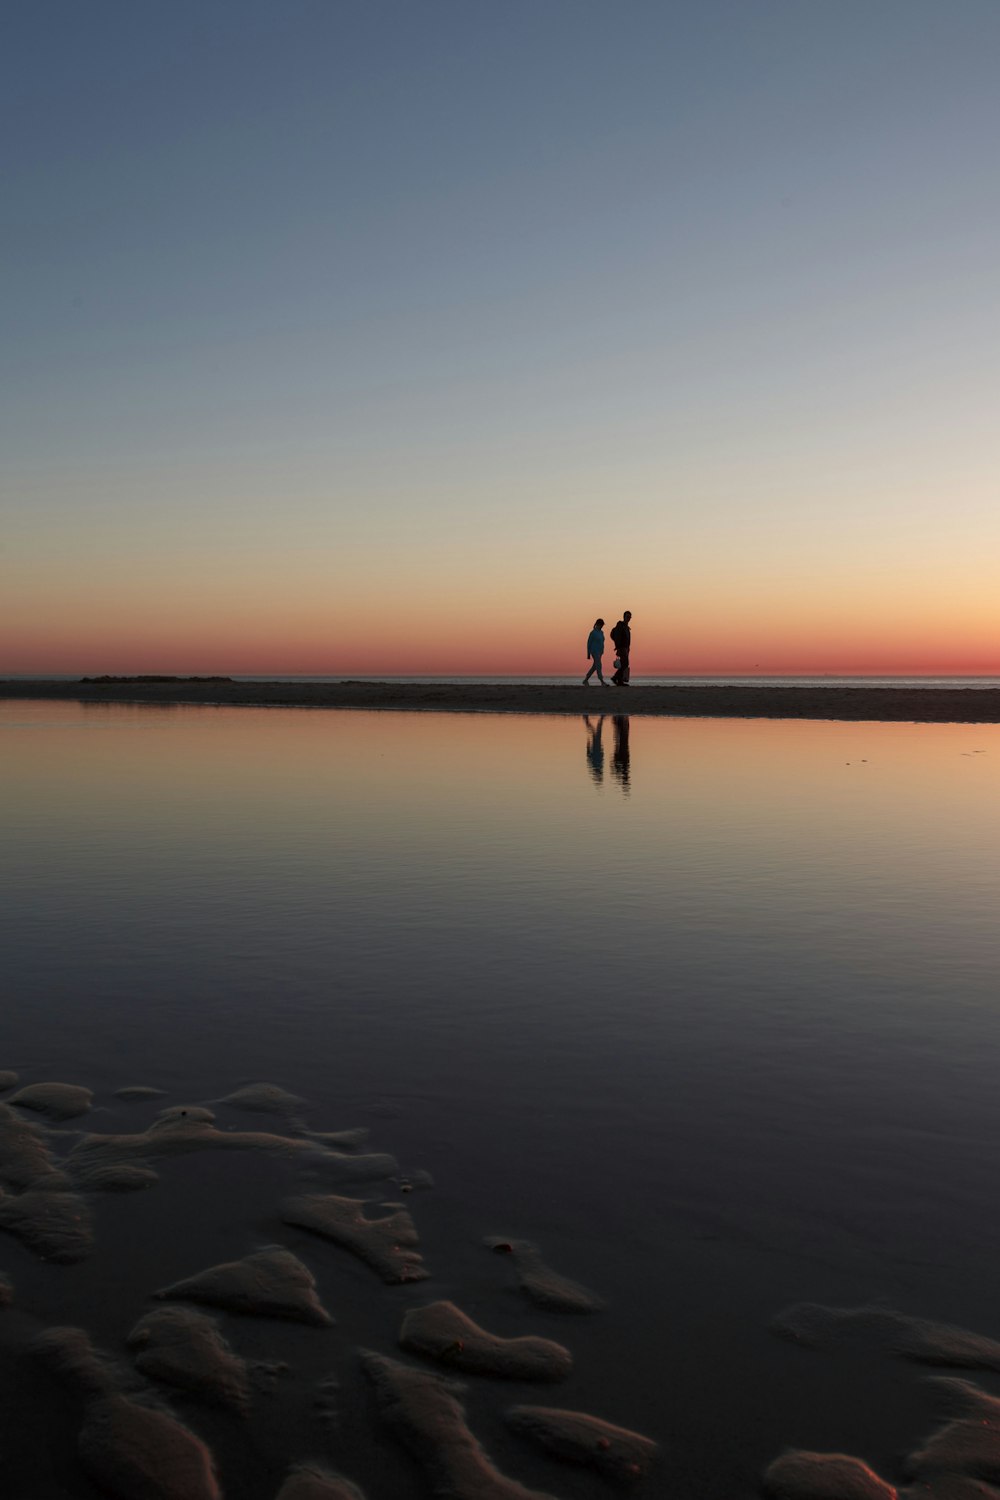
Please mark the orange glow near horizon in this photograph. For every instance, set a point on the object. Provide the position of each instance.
(421, 615)
(90, 654)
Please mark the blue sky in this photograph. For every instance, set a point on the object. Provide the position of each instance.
(401, 283)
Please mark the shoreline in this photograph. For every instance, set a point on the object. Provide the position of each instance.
(893, 704)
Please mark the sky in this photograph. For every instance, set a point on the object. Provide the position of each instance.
(409, 336)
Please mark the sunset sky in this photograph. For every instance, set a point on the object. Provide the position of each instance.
(354, 337)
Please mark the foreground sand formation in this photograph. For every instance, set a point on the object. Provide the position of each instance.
(428, 1416)
(190, 1344)
(960, 1460)
(147, 1408)
(443, 1332)
(270, 1284)
(540, 1283)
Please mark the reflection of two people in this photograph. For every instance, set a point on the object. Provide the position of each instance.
(595, 748)
(620, 759)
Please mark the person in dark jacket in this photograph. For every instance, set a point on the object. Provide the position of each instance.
(622, 638)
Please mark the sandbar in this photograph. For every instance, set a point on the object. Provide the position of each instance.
(906, 704)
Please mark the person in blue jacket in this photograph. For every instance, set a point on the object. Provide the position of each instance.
(595, 652)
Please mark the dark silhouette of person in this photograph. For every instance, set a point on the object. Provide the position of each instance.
(595, 653)
(622, 637)
(620, 759)
(595, 749)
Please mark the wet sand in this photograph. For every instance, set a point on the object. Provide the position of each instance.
(216, 1391)
(930, 705)
(180, 1403)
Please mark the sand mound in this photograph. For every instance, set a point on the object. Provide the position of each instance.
(116, 1177)
(58, 1101)
(967, 1448)
(133, 1452)
(543, 1285)
(70, 1355)
(442, 1331)
(138, 1091)
(7, 1079)
(959, 1461)
(615, 1452)
(426, 1415)
(194, 1114)
(963, 1398)
(136, 1453)
(386, 1244)
(56, 1225)
(190, 1127)
(824, 1476)
(265, 1098)
(312, 1483)
(185, 1349)
(345, 1167)
(914, 1338)
(24, 1154)
(268, 1284)
(341, 1140)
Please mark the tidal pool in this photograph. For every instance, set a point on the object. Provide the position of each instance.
(707, 1011)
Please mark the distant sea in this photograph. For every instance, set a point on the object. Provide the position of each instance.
(560, 681)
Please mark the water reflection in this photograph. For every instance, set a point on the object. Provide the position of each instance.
(620, 757)
(790, 944)
(93, 708)
(621, 760)
(595, 748)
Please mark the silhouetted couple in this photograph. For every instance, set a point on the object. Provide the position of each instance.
(621, 635)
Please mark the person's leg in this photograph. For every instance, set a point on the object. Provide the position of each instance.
(599, 664)
(626, 672)
(593, 666)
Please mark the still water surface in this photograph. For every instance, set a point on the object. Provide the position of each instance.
(708, 1009)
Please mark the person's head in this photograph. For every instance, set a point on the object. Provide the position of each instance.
(627, 616)
(598, 624)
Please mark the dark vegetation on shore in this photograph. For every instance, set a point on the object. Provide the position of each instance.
(153, 677)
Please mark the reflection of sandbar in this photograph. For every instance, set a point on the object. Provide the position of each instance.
(946, 705)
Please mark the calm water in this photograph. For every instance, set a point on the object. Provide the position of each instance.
(708, 1009)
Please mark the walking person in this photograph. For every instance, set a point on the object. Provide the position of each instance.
(622, 637)
(595, 654)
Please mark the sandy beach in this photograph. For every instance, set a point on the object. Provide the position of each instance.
(931, 705)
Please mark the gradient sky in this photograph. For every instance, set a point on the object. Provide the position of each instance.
(408, 337)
